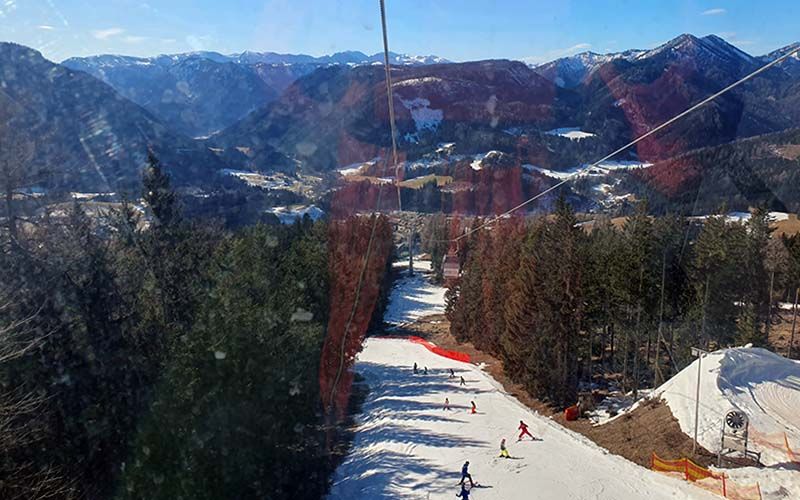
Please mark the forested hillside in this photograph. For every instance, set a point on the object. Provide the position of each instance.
(563, 307)
(175, 360)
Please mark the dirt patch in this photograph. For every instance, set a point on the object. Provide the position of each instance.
(781, 333)
(635, 436)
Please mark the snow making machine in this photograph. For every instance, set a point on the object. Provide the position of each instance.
(734, 439)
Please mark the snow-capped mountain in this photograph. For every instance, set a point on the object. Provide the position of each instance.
(199, 93)
(569, 72)
(700, 49)
(791, 65)
(251, 57)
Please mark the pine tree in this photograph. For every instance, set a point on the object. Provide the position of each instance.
(157, 192)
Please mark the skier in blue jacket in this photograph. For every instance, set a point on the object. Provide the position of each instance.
(465, 474)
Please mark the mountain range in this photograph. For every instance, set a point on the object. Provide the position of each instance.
(199, 93)
(82, 134)
(269, 112)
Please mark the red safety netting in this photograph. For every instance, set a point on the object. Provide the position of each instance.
(458, 356)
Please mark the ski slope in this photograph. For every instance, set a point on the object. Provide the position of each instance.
(407, 446)
(414, 296)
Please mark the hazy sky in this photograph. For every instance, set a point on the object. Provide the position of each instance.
(456, 29)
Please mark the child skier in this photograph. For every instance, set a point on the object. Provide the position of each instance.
(474, 408)
(446, 403)
(503, 450)
(523, 428)
(466, 475)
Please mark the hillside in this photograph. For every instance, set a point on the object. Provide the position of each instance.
(749, 172)
(83, 135)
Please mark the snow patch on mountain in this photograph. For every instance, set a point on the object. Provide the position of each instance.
(290, 213)
(425, 118)
(573, 133)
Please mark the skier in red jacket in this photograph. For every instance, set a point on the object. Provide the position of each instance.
(523, 428)
(474, 408)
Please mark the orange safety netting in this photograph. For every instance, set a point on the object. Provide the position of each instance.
(777, 441)
(705, 478)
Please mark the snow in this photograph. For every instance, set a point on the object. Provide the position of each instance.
(477, 162)
(414, 296)
(572, 133)
(407, 446)
(556, 174)
(256, 179)
(288, 214)
(745, 216)
(88, 196)
(758, 382)
(601, 169)
(424, 117)
(417, 81)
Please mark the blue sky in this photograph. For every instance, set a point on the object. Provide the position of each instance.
(456, 29)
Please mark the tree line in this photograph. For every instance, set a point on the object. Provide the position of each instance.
(566, 307)
(164, 357)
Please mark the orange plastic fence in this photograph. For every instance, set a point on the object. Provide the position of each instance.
(458, 356)
(705, 478)
(777, 441)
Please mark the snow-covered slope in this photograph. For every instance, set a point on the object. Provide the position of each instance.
(413, 296)
(570, 71)
(762, 384)
(407, 446)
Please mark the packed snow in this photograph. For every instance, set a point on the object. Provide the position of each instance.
(414, 296)
(572, 133)
(407, 446)
(760, 383)
(764, 385)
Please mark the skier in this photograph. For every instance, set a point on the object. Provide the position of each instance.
(523, 428)
(452, 373)
(446, 403)
(415, 367)
(463, 382)
(475, 409)
(466, 475)
(426, 371)
(464, 493)
(503, 450)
